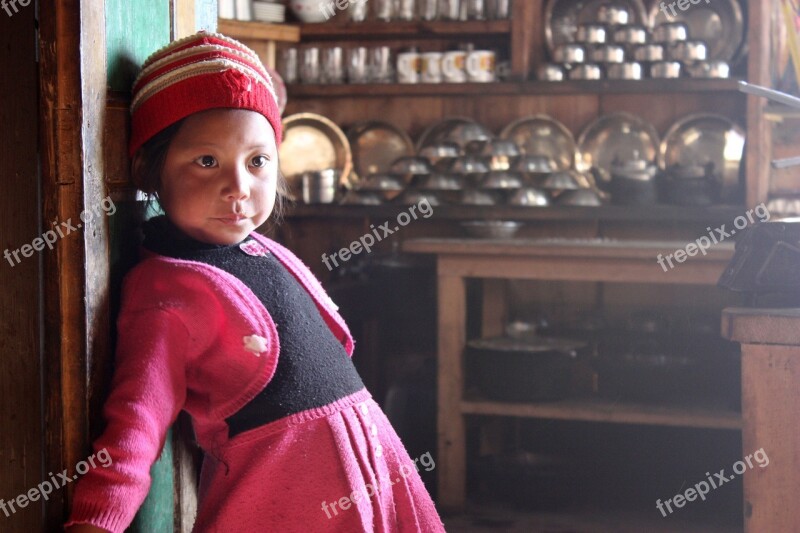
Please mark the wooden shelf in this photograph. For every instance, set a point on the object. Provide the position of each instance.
(610, 412)
(259, 31)
(658, 213)
(418, 29)
(529, 88)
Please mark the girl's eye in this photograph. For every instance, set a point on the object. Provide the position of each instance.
(260, 161)
(206, 161)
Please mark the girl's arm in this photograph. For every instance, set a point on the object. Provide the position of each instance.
(147, 393)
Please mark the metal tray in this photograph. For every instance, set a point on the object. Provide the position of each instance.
(621, 136)
(376, 145)
(543, 135)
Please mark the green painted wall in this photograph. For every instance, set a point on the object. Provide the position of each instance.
(134, 30)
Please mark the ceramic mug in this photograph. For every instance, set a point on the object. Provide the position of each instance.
(480, 66)
(432, 67)
(453, 65)
(408, 67)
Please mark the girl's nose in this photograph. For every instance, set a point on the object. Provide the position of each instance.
(238, 185)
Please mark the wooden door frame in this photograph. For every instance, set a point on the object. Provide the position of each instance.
(76, 337)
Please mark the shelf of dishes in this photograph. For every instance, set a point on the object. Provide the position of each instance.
(534, 162)
(398, 11)
(259, 31)
(628, 40)
(533, 88)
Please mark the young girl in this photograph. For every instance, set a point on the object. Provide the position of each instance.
(233, 328)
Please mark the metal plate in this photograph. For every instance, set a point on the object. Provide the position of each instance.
(376, 145)
(313, 142)
(438, 132)
(543, 135)
(562, 17)
(703, 138)
(620, 136)
(719, 24)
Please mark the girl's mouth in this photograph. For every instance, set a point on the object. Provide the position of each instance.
(232, 219)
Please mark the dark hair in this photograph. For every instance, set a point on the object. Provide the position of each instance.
(148, 164)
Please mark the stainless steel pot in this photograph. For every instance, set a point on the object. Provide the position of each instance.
(648, 53)
(624, 71)
(591, 34)
(687, 51)
(607, 53)
(319, 187)
(665, 69)
(569, 54)
(670, 32)
(613, 14)
(709, 69)
(586, 71)
(551, 72)
(630, 34)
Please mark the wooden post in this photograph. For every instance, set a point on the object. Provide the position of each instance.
(770, 408)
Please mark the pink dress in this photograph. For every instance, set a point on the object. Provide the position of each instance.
(193, 337)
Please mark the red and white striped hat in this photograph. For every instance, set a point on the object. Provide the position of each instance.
(200, 72)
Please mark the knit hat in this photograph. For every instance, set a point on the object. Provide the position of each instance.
(200, 72)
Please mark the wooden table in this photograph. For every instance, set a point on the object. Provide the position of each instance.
(593, 260)
(770, 341)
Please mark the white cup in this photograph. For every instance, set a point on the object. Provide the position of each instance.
(432, 67)
(453, 65)
(480, 66)
(408, 67)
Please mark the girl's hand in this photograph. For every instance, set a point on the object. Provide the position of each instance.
(85, 528)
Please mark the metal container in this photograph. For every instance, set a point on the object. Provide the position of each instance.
(551, 72)
(569, 54)
(709, 69)
(319, 187)
(580, 198)
(624, 71)
(613, 14)
(665, 70)
(648, 53)
(630, 34)
(591, 34)
(607, 53)
(670, 32)
(687, 51)
(502, 180)
(530, 197)
(491, 229)
(586, 71)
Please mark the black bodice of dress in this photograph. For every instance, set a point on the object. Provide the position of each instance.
(313, 367)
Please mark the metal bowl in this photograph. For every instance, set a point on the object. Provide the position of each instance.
(580, 197)
(441, 182)
(624, 71)
(687, 51)
(382, 183)
(500, 147)
(569, 54)
(613, 14)
(415, 197)
(530, 197)
(670, 32)
(478, 197)
(607, 53)
(586, 71)
(709, 69)
(535, 165)
(558, 181)
(502, 180)
(630, 34)
(648, 52)
(440, 153)
(550, 72)
(468, 165)
(591, 34)
(491, 229)
(665, 69)
(410, 166)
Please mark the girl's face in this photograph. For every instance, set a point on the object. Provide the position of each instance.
(220, 175)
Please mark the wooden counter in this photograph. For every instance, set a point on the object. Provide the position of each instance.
(770, 341)
(594, 260)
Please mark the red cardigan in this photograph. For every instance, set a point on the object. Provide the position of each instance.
(191, 337)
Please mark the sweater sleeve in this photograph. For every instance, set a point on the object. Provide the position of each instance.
(148, 391)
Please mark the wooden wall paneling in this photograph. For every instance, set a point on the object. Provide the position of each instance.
(20, 313)
(65, 365)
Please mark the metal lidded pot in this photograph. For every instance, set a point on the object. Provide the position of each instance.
(665, 70)
(687, 51)
(630, 70)
(591, 34)
(319, 187)
(670, 32)
(586, 71)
